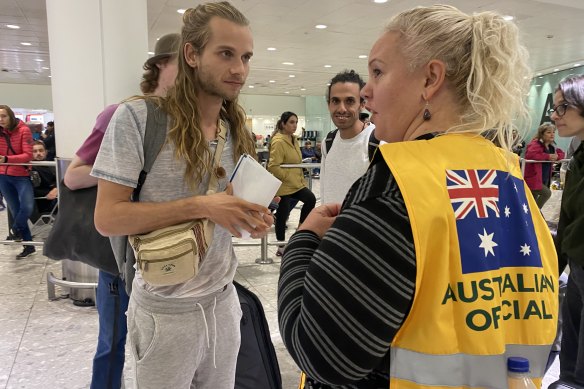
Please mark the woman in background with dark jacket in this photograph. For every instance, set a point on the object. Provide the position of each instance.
(15, 185)
(538, 176)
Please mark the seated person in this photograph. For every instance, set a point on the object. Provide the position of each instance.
(48, 180)
(309, 152)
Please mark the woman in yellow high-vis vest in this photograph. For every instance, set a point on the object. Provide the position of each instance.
(438, 266)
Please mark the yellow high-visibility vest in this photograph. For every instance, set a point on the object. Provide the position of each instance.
(486, 266)
(486, 279)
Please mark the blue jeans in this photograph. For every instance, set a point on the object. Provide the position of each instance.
(20, 200)
(112, 304)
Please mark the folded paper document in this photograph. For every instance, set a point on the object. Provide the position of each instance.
(253, 183)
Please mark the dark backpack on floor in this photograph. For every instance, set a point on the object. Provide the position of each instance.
(257, 364)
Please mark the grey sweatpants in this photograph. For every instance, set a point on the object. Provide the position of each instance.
(175, 346)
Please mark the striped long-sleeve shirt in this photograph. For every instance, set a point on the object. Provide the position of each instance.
(342, 300)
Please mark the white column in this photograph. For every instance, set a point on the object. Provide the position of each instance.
(97, 49)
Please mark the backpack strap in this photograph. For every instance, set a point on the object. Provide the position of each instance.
(154, 138)
(330, 137)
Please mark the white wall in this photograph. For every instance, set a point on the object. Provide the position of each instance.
(26, 96)
(272, 105)
(39, 97)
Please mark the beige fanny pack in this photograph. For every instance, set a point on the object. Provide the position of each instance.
(172, 255)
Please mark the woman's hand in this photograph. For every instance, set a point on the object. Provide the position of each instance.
(321, 219)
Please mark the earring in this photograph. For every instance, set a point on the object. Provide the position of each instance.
(427, 115)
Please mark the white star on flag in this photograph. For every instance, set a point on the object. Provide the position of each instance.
(507, 211)
(525, 249)
(487, 242)
(525, 209)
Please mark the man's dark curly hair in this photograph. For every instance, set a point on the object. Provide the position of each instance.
(345, 76)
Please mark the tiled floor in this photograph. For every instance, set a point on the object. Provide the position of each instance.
(50, 344)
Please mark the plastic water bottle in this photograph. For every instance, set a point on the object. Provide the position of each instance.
(518, 374)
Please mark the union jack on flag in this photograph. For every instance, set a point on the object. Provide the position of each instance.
(487, 240)
(473, 190)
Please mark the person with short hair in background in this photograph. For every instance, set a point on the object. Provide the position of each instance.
(364, 117)
(47, 187)
(348, 157)
(50, 143)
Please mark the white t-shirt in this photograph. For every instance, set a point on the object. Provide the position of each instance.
(347, 160)
(120, 160)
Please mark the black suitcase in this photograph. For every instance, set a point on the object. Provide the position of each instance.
(257, 364)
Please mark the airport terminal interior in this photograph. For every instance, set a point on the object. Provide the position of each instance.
(299, 46)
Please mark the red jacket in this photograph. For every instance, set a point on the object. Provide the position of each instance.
(536, 151)
(21, 142)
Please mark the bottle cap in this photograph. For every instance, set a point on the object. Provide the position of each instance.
(518, 365)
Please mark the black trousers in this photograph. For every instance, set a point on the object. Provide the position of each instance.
(309, 201)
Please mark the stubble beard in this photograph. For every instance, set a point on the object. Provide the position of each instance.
(210, 86)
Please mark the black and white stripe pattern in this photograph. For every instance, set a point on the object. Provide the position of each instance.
(342, 300)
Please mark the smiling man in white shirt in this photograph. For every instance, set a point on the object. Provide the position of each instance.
(345, 151)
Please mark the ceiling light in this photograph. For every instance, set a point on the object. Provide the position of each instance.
(13, 26)
(577, 64)
(181, 11)
(251, 86)
(291, 76)
(39, 60)
(540, 77)
(50, 76)
(151, 53)
(288, 63)
(380, 1)
(45, 68)
(508, 17)
(26, 43)
(302, 88)
(328, 66)
(272, 81)
(362, 56)
(287, 92)
(321, 26)
(537, 85)
(271, 49)
(556, 70)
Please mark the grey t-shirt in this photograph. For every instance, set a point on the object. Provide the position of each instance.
(121, 159)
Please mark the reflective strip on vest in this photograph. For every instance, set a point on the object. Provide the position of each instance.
(460, 370)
